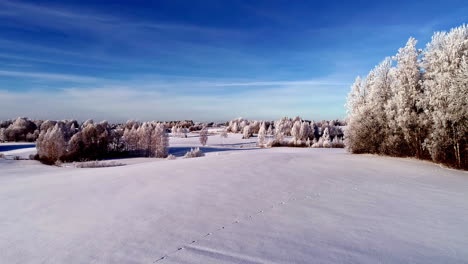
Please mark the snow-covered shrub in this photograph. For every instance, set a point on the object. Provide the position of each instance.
(98, 164)
(203, 136)
(171, 157)
(194, 153)
(337, 143)
(273, 143)
(318, 143)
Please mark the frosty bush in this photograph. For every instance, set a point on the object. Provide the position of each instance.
(247, 132)
(337, 143)
(51, 145)
(21, 129)
(194, 153)
(98, 164)
(204, 136)
(171, 157)
(418, 107)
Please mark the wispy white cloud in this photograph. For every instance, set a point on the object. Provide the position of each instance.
(50, 61)
(122, 102)
(281, 83)
(49, 76)
(176, 83)
(17, 8)
(57, 17)
(134, 35)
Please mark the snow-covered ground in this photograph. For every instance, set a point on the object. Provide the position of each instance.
(238, 204)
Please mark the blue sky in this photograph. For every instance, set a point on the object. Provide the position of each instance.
(201, 60)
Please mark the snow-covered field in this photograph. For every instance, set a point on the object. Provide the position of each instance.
(238, 204)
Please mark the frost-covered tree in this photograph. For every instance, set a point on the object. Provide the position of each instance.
(129, 139)
(145, 140)
(234, 127)
(51, 145)
(405, 106)
(204, 136)
(270, 130)
(355, 97)
(368, 120)
(75, 147)
(19, 130)
(379, 94)
(326, 138)
(261, 135)
(255, 127)
(243, 124)
(416, 106)
(445, 82)
(356, 133)
(160, 140)
(279, 133)
(247, 133)
(296, 132)
(304, 132)
(95, 139)
(2, 135)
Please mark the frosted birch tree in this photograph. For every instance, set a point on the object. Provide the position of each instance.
(445, 79)
(261, 135)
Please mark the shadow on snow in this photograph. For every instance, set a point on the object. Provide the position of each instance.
(180, 151)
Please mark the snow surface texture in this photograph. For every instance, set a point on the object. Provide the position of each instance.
(235, 205)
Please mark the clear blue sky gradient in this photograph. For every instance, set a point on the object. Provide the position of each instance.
(200, 60)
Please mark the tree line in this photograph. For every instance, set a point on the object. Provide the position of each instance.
(415, 103)
(291, 132)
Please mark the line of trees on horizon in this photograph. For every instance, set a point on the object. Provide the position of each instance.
(417, 107)
(303, 133)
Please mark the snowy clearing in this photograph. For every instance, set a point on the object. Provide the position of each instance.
(238, 204)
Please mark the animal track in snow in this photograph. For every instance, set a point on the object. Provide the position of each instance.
(249, 217)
